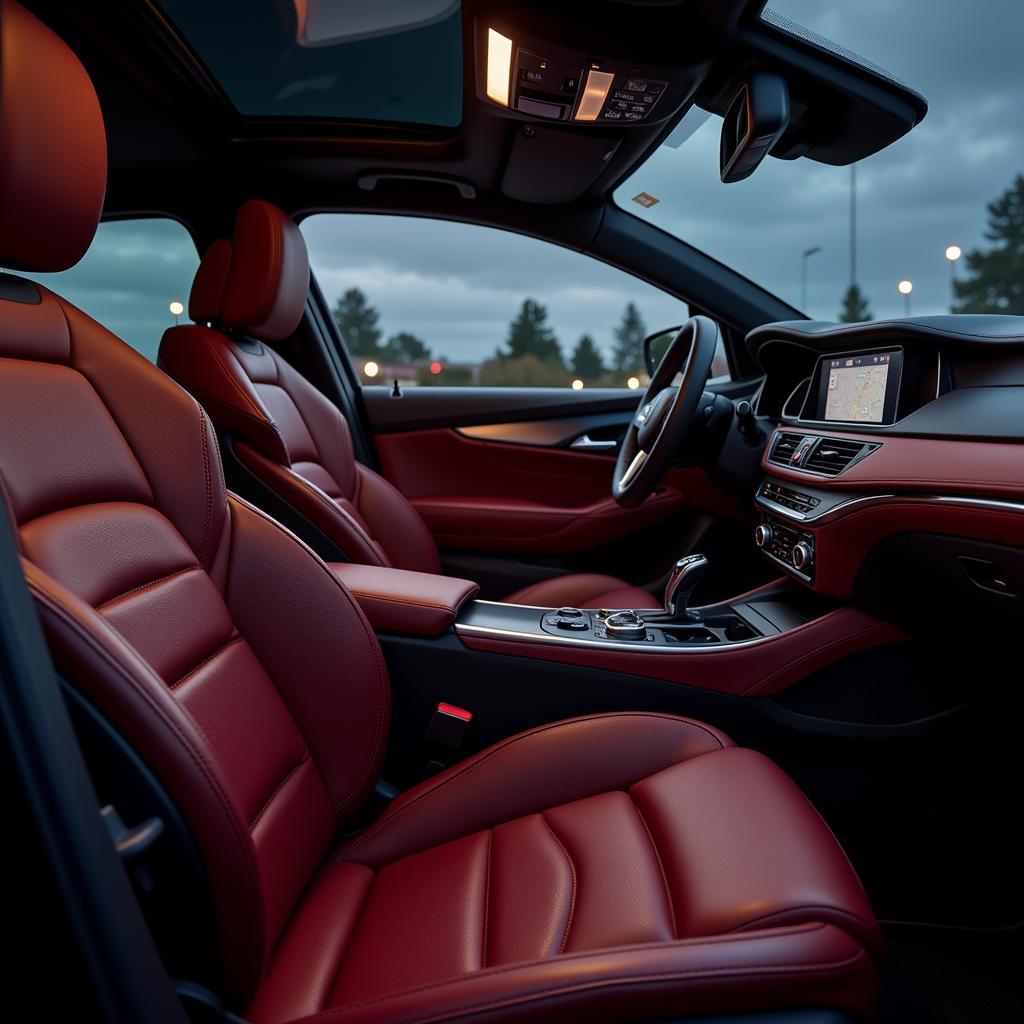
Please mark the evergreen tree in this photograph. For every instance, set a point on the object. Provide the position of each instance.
(855, 306)
(995, 281)
(586, 359)
(628, 354)
(357, 322)
(404, 348)
(530, 335)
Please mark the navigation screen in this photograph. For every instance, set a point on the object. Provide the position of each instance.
(856, 388)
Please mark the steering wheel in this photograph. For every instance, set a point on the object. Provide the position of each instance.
(665, 413)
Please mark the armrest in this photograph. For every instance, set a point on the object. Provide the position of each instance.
(400, 601)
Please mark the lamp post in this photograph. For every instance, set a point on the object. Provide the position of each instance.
(953, 254)
(905, 287)
(807, 254)
(176, 308)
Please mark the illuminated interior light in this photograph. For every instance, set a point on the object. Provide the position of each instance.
(594, 94)
(499, 66)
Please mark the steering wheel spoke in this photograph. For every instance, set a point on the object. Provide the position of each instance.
(665, 412)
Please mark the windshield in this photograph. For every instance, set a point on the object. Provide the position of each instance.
(806, 231)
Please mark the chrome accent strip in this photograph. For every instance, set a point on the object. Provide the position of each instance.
(587, 443)
(780, 509)
(587, 645)
(869, 500)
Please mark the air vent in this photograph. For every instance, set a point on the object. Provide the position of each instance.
(831, 455)
(785, 445)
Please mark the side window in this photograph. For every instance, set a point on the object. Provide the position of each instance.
(438, 302)
(132, 279)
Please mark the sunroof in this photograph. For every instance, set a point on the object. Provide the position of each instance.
(398, 62)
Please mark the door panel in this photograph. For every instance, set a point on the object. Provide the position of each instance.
(500, 482)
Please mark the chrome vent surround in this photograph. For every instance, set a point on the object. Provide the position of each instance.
(784, 447)
(812, 453)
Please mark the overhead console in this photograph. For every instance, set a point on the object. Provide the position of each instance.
(538, 79)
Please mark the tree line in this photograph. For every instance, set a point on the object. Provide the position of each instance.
(530, 355)
(994, 282)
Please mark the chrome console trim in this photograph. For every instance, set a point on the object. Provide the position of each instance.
(467, 629)
(871, 500)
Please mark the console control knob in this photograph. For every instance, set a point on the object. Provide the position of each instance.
(762, 535)
(569, 613)
(626, 626)
(802, 555)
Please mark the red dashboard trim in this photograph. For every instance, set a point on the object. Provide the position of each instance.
(918, 464)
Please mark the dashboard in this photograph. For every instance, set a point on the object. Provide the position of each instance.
(894, 466)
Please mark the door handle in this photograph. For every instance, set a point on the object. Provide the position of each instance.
(586, 443)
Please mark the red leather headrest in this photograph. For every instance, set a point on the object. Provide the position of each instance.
(207, 295)
(53, 149)
(268, 278)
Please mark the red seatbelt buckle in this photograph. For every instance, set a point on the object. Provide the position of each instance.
(448, 726)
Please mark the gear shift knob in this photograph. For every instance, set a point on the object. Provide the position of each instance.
(686, 575)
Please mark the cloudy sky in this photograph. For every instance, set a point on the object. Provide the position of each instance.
(458, 286)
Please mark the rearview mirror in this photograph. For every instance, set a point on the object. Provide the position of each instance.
(754, 122)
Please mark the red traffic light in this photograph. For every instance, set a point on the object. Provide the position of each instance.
(435, 367)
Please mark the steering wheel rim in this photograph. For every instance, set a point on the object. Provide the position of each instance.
(665, 413)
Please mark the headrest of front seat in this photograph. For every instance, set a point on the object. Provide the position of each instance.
(207, 294)
(53, 149)
(256, 284)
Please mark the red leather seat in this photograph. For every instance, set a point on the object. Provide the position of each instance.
(251, 291)
(616, 867)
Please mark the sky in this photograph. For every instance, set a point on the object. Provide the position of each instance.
(458, 286)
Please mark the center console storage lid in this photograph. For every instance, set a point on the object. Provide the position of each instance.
(400, 601)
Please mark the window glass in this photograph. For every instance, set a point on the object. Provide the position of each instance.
(381, 61)
(925, 226)
(130, 277)
(437, 302)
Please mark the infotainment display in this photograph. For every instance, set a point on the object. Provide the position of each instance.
(859, 388)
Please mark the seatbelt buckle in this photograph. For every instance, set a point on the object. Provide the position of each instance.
(448, 726)
(445, 736)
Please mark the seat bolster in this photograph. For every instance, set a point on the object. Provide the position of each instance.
(327, 514)
(812, 965)
(742, 849)
(530, 772)
(583, 590)
(207, 364)
(397, 526)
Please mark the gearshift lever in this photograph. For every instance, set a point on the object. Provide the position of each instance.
(686, 575)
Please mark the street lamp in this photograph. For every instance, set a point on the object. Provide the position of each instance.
(176, 308)
(953, 253)
(905, 288)
(807, 254)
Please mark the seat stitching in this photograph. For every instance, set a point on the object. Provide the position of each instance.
(399, 600)
(368, 632)
(334, 507)
(277, 789)
(661, 866)
(572, 897)
(206, 661)
(493, 972)
(487, 897)
(208, 479)
(146, 586)
(380, 824)
(758, 922)
(640, 977)
(196, 755)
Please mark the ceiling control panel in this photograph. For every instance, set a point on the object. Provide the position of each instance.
(547, 82)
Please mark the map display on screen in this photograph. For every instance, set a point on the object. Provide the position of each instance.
(856, 388)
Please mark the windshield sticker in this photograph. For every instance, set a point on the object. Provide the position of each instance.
(645, 199)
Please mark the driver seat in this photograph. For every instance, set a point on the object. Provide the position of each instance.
(249, 292)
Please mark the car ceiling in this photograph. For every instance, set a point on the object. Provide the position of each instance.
(178, 146)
